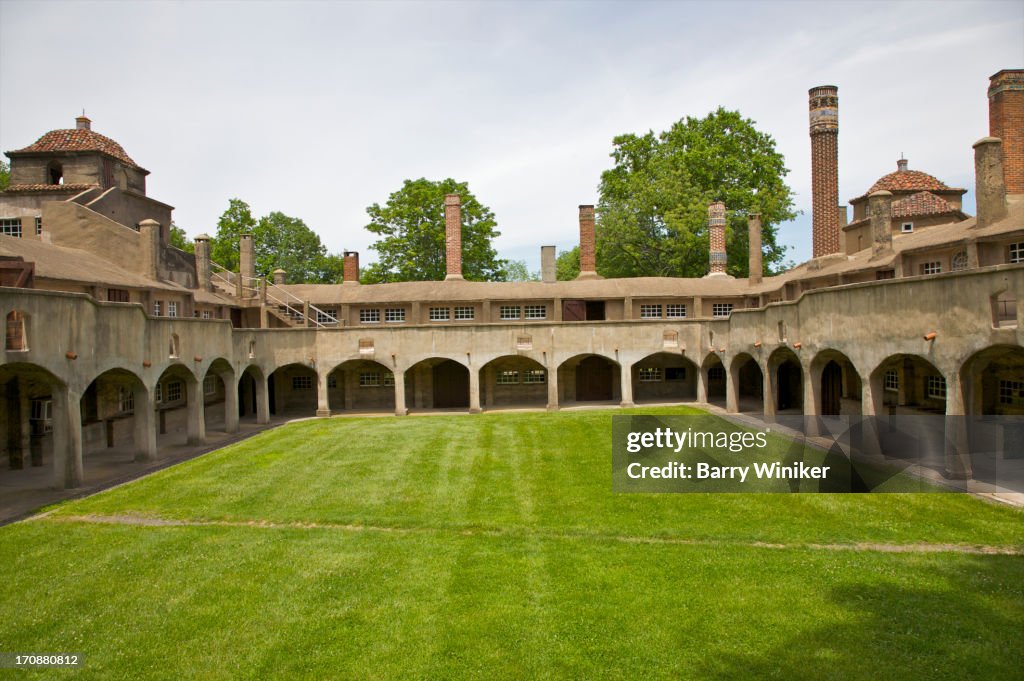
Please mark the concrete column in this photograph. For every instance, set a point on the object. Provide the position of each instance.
(552, 378)
(958, 453)
(246, 264)
(400, 408)
(230, 403)
(880, 209)
(145, 425)
(474, 390)
(262, 400)
(488, 385)
(547, 264)
(323, 405)
(811, 409)
(769, 393)
(732, 399)
(196, 412)
(149, 231)
(754, 249)
(871, 444)
(626, 380)
(350, 383)
(67, 439)
(702, 385)
(203, 262)
(989, 181)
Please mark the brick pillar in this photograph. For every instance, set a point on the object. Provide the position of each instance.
(351, 275)
(824, 120)
(1006, 121)
(203, 263)
(452, 236)
(754, 240)
(880, 212)
(588, 244)
(716, 230)
(989, 180)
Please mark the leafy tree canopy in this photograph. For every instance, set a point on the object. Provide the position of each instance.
(5, 176)
(652, 212)
(516, 270)
(180, 240)
(567, 264)
(412, 236)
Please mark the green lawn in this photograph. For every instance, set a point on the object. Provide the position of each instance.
(491, 546)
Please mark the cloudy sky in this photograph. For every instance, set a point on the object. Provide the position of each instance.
(319, 109)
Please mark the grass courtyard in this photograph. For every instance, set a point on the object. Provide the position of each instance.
(492, 546)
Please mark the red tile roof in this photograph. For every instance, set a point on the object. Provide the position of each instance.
(907, 180)
(78, 140)
(76, 187)
(921, 203)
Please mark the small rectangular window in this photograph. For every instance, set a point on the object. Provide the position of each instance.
(650, 374)
(907, 227)
(172, 309)
(716, 373)
(175, 389)
(394, 314)
(675, 310)
(509, 312)
(158, 394)
(210, 385)
(650, 312)
(326, 317)
(369, 316)
(207, 314)
(369, 379)
(332, 381)
(936, 387)
(1017, 252)
(1011, 392)
(508, 377)
(439, 314)
(675, 373)
(463, 313)
(934, 267)
(125, 400)
(302, 382)
(892, 380)
(882, 275)
(118, 295)
(533, 376)
(10, 227)
(39, 225)
(535, 312)
(389, 378)
(721, 309)
(158, 308)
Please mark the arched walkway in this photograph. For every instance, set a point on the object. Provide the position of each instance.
(220, 397)
(253, 400)
(835, 385)
(589, 378)
(713, 379)
(437, 383)
(664, 377)
(117, 420)
(178, 399)
(787, 382)
(33, 438)
(747, 384)
(993, 381)
(908, 385)
(293, 390)
(361, 385)
(513, 380)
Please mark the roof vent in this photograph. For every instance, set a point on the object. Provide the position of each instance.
(901, 165)
(83, 123)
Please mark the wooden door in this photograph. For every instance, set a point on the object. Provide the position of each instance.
(593, 380)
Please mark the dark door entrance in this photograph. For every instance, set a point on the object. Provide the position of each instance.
(831, 389)
(593, 380)
(789, 385)
(451, 385)
(595, 310)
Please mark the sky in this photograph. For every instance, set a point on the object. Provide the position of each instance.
(320, 109)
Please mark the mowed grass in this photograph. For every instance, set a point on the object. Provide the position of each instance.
(492, 546)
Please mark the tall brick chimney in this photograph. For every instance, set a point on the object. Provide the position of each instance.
(452, 236)
(1006, 121)
(351, 268)
(754, 240)
(716, 229)
(824, 119)
(588, 244)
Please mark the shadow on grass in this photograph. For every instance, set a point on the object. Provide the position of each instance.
(955, 622)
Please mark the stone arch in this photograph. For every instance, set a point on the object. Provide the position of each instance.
(361, 385)
(589, 377)
(293, 390)
(32, 435)
(836, 384)
(177, 398)
(220, 397)
(665, 377)
(787, 380)
(993, 381)
(907, 384)
(713, 376)
(513, 380)
(17, 331)
(438, 383)
(54, 172)
(253, 399)
(116, 419)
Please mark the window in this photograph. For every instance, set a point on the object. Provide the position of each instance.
(675, 373)
(533, 376)
(1017, 252)
(125, 400)
(650, 374)
(716, 373)
(508, 377)
(463, 313)
(959, 261)
(934, 267)
(118, 295)
(892, 380)
(882, 275)
(332, 381)
(326, 317)
(175, 389)
(440, 314)
(10, 227)
(1004, 310)
(369, 379)
(535, 312)
(394, 314)
(158, 308)
(510, 312)
(782, 332)
(252, 349)
(172, 309)
(302, 382)
(675, 310)
(42, 411)
(173, 346)
(207, 314)
(369, 316)
(1011, 392)
(650, 312)
(935, 387)
(210, 385)
(17, 339)
(907, 227)
(721, 309)
(39, 225)
(158, 393)
(389, 378)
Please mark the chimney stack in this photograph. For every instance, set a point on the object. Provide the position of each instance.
(149, 230)
(203, 262)
(754, 238)
(901, 165)
(548, 271)
(989, 180)
(880, 212)
(824, 123)
(83, 123)
(280, 277)
(716, 229)
(351, 270)
(453, 236)
(1006, 121)
(588, 244)
(246, 265)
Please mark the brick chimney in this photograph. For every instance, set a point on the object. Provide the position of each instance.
(351, 273)
(203, 262)
(716, 230)
(83, 123)
(880, 212)
(824, 120)
(548, 270)
(588, 244)
(989, 180)
(280, 277)
(453, 236)
(754, 239)
(1006, 121)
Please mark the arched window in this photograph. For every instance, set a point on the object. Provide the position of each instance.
(960, 261)
(55, 173)
(174, 348)
(17, 339)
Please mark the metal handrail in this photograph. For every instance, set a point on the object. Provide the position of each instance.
(317, 312)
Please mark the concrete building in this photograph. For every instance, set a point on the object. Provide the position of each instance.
(116, 339)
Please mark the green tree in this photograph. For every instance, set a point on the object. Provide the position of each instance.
(653, 203)
(412, 243)
(516, 270)
(234, 222)
(180, 240)
(5, 176)
(567, 264)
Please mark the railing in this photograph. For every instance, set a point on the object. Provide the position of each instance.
(284, 299)
(223, 276)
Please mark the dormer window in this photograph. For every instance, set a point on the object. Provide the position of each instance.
(907, 227)
(55, 173)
